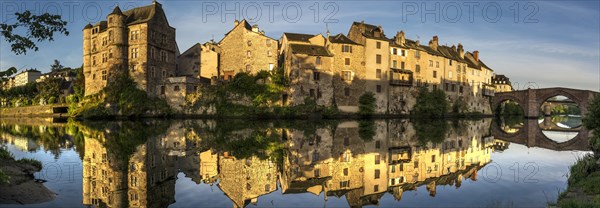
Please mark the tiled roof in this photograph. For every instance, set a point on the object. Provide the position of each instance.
(312, 50)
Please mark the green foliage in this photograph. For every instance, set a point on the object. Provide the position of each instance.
(34, 28)
(366, 130)
(4, 178)
(459, 106)
(56, 66)
(34, 163)
(49, 88)
(366, 104)
(430, 130)
(430, 104)
(120, 97)
(592, 119)
(511, 109)
(5, 154)
(9, 72)
(582, 169)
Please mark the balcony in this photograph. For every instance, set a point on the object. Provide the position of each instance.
(401, 77)
(400, 82)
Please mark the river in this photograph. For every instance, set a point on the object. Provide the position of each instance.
(225, 163)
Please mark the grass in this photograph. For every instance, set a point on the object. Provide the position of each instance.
(32, 162)
(5, 154)
(584, 180)
(4, 179)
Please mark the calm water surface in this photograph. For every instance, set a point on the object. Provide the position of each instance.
(387, 163)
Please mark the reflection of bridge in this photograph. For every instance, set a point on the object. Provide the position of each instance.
(549, 125)
(531, 135)
(532, 99)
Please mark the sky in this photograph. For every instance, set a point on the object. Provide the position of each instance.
(537, 44)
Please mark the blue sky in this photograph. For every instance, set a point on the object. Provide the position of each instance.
(536, 43)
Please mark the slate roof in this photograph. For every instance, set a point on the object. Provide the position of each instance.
(312, 50)
(370, 30)
(474, 64)
(341, 38)
(298, 37)
(142, 14)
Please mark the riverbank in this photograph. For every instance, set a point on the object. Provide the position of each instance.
(17, 183)
(584, 183)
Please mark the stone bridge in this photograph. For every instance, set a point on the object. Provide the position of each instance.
(531, 135)
(531, 100)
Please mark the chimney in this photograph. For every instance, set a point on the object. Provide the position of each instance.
(236, 22)
(460, 50)
(476, 55)
(434, 43)
(400, 40)
(255, 28)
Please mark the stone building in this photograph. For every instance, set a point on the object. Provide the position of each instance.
(139, 43)
(188, 62)
(349, 72)
(502, 83)
(210, 54)
(244, 180)
(246, 49)
(308, 64)
(376, 61)
(26, 76)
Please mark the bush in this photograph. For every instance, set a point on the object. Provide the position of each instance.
(366, 104)
(52, 100)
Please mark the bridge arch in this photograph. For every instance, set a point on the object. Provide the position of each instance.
(531, 100)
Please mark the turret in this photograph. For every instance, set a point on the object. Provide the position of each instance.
(117, 35)
(87, 47)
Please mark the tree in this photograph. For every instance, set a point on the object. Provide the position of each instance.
(36, 28)
(56, 66)
(366, 104)
(9, 72)
(431, 104)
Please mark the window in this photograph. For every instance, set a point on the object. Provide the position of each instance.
(269, 54)
(347, 75)
(430, 63)
(152, 72)
(345, 171)
(393, 169)
(176, 88)
(378, 88)
(402, 65)
(164, 73)
(104, 41)
(403, 52)
(93, 76)
(378, 59)
(377, 159)
(163, 56)
(432, 158)
(316, 76)
(450, 74)
(378, 45)
(450, 62)
(110, 53)
(93, 60)
(248, 68)
(110, 20)
(134, 52)
(164, 39)
(104, 58)
(347, 61)
(318, 61)
(394, 64)
(395, 51)
(249, 43)
(346, 93)
(312, 92)
(110, 35)
(152, 53)
(418, 68)
(378, 144)
(104, 75)
(268, 186)
(377, 174)
(437, 64)
(248, 54)
(346, 49)
(375, 188)
(135, 35)
(417, 54)
(132, 67)
(434, 74)
(344, 184)
(271, 66)
(378, 73)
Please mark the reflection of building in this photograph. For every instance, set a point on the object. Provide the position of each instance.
(145, 178)
(244, 180)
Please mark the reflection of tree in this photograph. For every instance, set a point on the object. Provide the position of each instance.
(366, 129)
(431, 130)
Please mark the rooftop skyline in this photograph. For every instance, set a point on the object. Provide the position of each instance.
(547, 44)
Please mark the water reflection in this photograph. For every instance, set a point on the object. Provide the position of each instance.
(137, 163)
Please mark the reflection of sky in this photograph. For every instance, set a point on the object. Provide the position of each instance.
(560, 136)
